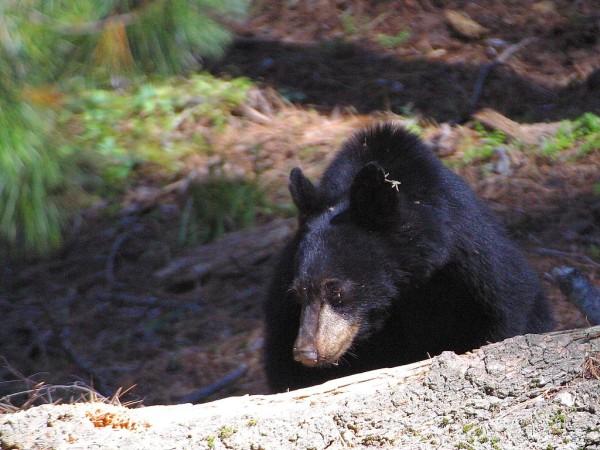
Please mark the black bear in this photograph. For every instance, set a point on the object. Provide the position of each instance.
(395, 259)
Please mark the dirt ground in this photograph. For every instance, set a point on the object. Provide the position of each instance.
(327, 53)
(98, 309)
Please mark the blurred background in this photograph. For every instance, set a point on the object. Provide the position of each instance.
(145, 147)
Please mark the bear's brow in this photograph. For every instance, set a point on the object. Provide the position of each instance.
(301, 286)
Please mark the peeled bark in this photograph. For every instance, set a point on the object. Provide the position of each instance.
(533, 391)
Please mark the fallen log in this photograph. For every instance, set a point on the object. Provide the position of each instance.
(530, 134)
(533, 391)
(238, 249)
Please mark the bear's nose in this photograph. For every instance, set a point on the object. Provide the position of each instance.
(306, 355)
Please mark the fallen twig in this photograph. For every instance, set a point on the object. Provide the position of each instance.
(485, 71)
(202, 393)
(580, 291)
(110, 261)
(66, 345)
(553, 252)
(63, 332)
(114, 249)
(127, 299)
(254, 115)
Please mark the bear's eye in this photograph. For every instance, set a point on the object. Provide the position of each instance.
(333, 292)
(336, 298)
(296, 295)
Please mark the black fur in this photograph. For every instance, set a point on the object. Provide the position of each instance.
(430, 268)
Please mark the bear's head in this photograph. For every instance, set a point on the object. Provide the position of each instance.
(345, 274)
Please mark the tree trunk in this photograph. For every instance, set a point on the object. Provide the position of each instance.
(534, 391)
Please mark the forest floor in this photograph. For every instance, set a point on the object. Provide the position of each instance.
(99, 309)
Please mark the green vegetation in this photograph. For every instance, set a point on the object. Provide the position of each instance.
(47, 48)
(562, 140)
(30, 175)
(468, 427)
(582, 133)
(210, 441)
(558, 422)
(349, 24)
(156, 125)
(392, 41)
(412, 124)
(111, 37)
(484, 149)
(465, 446)
(495, 442)
(123, 130)
(103, 139)
(218, 206)
(355, 26)
(475, 436)
(226, 431)
(593, 251)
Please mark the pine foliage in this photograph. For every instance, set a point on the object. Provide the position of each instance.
(45, 47)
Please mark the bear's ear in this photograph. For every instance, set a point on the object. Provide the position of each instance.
(304, 193)
(374, 199)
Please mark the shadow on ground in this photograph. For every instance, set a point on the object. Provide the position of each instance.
(337, 73)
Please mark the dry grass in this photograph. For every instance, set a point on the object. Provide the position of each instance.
(591, 366)
(102, 419)
(40, 393)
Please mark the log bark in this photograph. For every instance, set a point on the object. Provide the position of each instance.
(528, 392)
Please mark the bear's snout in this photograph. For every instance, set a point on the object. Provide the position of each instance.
(306, 355)
(324, 335)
